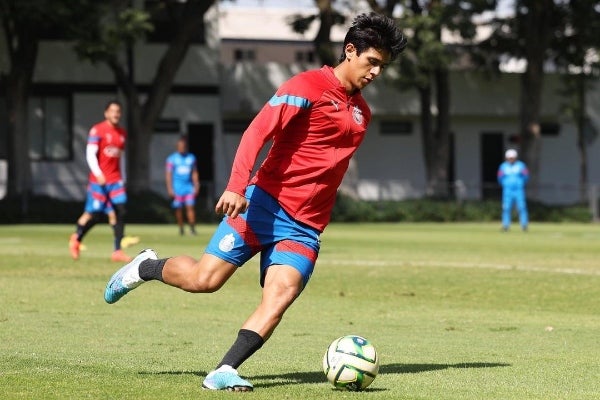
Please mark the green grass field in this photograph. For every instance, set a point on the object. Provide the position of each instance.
(456, 311)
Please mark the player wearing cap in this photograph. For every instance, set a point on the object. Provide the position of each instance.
(513, 176)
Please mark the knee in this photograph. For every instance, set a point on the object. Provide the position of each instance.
(281, 295)
(206, 285)
(206, 281)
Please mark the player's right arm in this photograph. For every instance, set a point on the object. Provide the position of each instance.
(91, 156)
(169, 177)
(232, 204)
(289, 100)
(500, 175)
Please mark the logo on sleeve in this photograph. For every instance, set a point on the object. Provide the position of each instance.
(357, 115)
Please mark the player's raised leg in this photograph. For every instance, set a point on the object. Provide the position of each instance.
(204, 276)
(127, 278)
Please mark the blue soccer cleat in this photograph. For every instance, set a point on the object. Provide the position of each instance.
(127, 278)
(226, 378)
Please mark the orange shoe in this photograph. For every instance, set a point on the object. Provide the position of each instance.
(119, 255)
(74, 246)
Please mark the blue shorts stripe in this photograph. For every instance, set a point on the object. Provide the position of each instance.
(102, 198)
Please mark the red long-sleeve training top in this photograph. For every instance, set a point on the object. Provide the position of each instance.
(316, 127)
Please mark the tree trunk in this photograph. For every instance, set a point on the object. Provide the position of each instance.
(428, 137)
(145, 115)
(536, 29)
(322, 41)
(439, 175)
(23, 59)
(530, 131)
(581, 140)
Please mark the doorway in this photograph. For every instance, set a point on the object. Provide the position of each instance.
(492, 155)
(201, 144)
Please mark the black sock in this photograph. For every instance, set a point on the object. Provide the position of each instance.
(246, 344)
(152, 269)
(117, 242)
(79, 231)
(83, 229)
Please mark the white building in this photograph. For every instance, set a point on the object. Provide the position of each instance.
(225, 80)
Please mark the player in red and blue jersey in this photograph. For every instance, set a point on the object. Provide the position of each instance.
(106, 190)
(183, 184)
(513, 176)
(315, 122)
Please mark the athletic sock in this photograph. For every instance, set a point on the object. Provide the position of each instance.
(83, 229)
(246, 344)
(152, 269)
(118, 234)
(79, 232)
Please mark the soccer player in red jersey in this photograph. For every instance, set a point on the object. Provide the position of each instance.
(106, 191)
(316, 121)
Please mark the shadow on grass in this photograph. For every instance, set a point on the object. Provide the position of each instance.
(295, 378)
(416, 368)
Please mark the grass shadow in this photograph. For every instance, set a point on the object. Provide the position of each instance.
(416, 368)
(303, 377)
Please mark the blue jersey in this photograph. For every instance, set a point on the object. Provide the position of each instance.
(181, 167)
(513, 175)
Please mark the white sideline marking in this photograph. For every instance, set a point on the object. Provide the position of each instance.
(381, 263)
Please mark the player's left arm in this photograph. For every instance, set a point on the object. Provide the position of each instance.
(196, 179)
(525, 173)
(123, 167)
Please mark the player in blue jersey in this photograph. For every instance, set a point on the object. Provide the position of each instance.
(513, 176)
(183, 184)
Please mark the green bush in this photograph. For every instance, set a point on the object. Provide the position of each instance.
(145, 207)
(427, 210)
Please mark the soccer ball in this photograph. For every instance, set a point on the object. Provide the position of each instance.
(351, 363)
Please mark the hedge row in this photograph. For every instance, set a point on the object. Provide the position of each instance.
(426, 210)
(152, 208)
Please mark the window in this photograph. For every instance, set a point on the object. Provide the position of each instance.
(165, 17)
(244, 55)
(235, 126)
(49, 133)
(550, 128)
(392, 127)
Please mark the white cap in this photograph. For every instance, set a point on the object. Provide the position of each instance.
(510, 153)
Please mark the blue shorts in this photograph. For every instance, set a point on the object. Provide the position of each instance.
(102, 198)
(184, 195)
(267, 229)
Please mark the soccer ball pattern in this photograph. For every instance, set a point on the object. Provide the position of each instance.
(351, 363)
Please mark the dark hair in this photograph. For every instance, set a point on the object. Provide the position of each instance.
(375, 31)
(111, 102)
